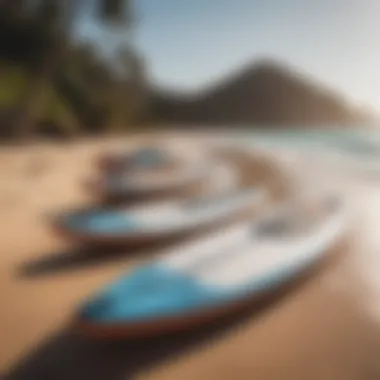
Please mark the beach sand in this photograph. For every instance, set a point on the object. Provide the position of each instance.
(326, 329)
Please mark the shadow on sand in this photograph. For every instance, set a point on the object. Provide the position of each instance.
(84, 256)
(66, 356)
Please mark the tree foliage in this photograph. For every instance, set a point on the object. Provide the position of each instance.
(37, 38)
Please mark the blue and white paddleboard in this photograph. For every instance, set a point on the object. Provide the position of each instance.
(208, 278)
(189, 171)
(156, 220)
(139, 183)
(144, 158)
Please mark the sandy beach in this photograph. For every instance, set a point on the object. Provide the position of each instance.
(328, 328)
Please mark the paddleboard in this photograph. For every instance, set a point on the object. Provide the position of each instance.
(214, 276)
(157, 220)
(145, 158)
(135, 182)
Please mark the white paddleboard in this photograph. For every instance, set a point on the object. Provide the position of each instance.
(200, 281)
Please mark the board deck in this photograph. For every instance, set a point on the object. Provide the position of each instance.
(156, 220)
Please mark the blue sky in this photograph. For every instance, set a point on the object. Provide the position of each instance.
(188, 43)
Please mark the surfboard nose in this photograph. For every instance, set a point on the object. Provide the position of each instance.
(144, 297)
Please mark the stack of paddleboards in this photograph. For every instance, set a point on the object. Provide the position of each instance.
(148, 221)
(210, 276)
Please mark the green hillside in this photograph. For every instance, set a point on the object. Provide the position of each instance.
(55, 112)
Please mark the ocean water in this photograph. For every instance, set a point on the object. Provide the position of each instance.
(355, 143)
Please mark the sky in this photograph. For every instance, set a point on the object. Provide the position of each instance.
(189, 43)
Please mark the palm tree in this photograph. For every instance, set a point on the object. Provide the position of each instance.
(54, 18)
(135, 81)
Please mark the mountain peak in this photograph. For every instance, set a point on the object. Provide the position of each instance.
(266, 92)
